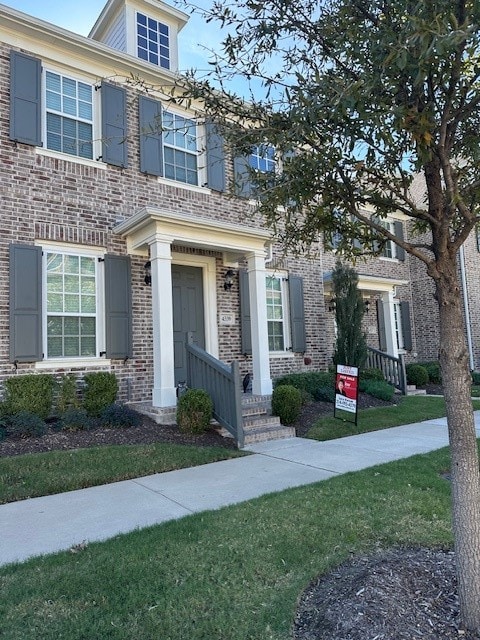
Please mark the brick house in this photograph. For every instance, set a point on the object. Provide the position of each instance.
(119, 237)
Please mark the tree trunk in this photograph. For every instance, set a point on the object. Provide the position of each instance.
(463, 443)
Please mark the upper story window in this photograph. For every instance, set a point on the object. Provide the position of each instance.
(69, 115)
(262, 158)
(153, 41)
(180, 149)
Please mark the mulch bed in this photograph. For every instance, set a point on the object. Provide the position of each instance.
(399, 594)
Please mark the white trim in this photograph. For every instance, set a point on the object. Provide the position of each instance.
(287, 332)
(208, 266)
(66, 157)
(81, 363)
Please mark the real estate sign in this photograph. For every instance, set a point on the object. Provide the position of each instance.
(346, 389)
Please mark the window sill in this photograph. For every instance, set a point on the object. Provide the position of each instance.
(283, 355)
(184, 185)
(48, 153)
(386, 259)
(72, 363)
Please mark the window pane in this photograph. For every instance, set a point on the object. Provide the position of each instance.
(54, 347)
(88, 285)
(72, 303)
(54, 326)
(54, 282)
(70, 106)
(88, 304)
(72, 347)
(54, 123)
(87, 346)
(71, 264)
(71, 326)
(87, 266)
(69, 87)
(54, 302)
(87, 326)
(54, 101)
(72, 284)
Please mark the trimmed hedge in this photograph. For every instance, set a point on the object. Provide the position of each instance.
(100, 392)
(433, 370)
(416, 374)
(380, 389)
(31, 393)
(286, 403)
(315, 383)
(194, 411)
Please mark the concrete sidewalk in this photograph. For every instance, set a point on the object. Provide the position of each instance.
(54, 523)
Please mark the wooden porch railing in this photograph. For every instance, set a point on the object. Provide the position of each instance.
(223, 385)
(392, 368)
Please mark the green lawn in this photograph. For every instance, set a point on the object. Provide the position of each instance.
(410, 409)
(233, 574)
(41, 474)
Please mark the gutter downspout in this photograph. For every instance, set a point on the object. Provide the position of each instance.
(466, 307)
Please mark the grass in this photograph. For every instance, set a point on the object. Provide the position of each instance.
(42, 474)
(410, 409)
(232, 574)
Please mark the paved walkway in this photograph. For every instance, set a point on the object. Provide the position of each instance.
(54, 523)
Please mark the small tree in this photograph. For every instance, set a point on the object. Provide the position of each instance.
(350, 345)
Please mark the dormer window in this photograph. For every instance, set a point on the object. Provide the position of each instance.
(153, 41)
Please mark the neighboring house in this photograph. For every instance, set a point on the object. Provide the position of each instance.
(119, 234)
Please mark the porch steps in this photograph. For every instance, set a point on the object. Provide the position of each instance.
(258, 424)
(413, 391)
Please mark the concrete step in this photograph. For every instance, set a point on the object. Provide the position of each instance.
(251, 422)
(413, 391)
(260, 434)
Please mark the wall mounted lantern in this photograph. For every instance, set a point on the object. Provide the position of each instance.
(332, 304)
(148, 273)
(366, 302)
(227, 285)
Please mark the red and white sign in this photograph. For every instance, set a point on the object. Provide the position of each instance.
(346, 388)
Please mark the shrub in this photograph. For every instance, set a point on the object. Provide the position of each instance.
(3, 432)
(326, 394)
(371, 374)
(286, 403)
(29, 393)
(433, 370)
(75, 419)
(476, 377)
(416, 374)
(194, 411)
(25, 423)
(67, 397)
(101, 390)
(380, 389)
(310, 381)
(119, 416)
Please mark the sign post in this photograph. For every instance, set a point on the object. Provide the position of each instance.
(346, 390)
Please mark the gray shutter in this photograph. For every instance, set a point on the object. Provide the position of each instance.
(25, 99)
(118, 306)
(151, 137)
(114, 125)
(382, 336)
(406, 325)
(25, 303)
(215, 158)
(297, 314)
(241, 176)
(245, 319)
(398, 226)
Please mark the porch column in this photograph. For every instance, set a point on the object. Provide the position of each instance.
(389, 315)
(262, 382)
(164, 392)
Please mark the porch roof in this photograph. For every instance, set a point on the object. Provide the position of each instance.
(151, 224)
(367, 283)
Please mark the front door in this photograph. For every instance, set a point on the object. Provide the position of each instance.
(188, 314)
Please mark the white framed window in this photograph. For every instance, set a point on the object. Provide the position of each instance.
(262, 158)
(153, 41)
(73, 306)
(390, 248)
(180, 148)
(397, 318)
(69, 115)
(277, 313)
